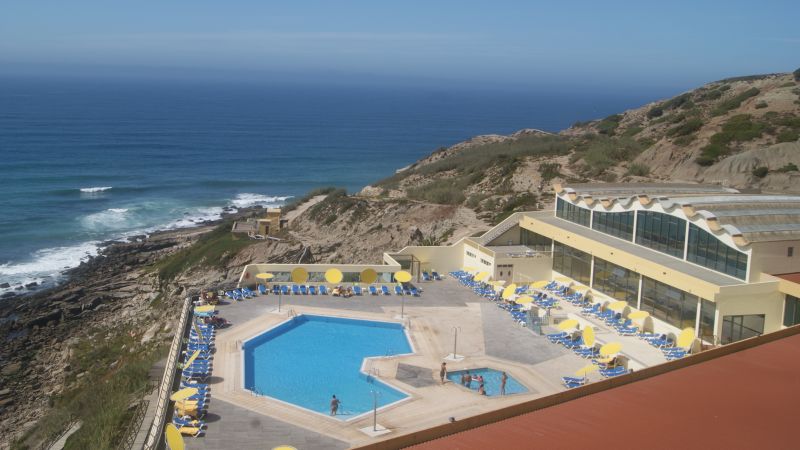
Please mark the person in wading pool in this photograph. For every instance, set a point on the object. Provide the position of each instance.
(334, 405)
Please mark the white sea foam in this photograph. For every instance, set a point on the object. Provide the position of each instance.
(47, 265)
(108, 220)
(90, 190)
(247, 199)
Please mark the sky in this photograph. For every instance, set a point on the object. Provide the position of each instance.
(513, 44)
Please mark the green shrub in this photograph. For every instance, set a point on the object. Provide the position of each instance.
(632, 131)
(734, 102)
(791, 167)
(788, 136)
(655, 112)
(445, 191)
(639, 170)
(760, 172)
(297, 201)
(601, 153)
(681, 101)
(683, 141)
(796, 75)
(686, 128)
(737, 129)
(549, 170)
(608, 126)
(761, 105)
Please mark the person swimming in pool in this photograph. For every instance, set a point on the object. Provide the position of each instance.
(468, 381)
(334, 405)
(503, 380)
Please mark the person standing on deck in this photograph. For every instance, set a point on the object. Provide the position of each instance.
(503, 380)
(334, 405)
(443, 372)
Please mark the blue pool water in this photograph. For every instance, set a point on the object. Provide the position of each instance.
(310, 358)
(491, 381)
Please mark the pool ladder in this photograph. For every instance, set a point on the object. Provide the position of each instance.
(292, 312)
(372, 374)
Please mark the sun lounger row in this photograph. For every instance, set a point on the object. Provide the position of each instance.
(431, 276)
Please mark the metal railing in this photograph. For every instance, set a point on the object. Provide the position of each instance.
(126, 443)
(165, 388)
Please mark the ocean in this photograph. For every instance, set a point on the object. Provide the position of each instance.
(87, 161)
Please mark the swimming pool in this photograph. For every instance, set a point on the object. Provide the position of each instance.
(491, 381)
(307, 359)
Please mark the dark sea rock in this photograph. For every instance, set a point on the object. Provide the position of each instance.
(5, 286)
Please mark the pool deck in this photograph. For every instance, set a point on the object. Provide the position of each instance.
(487, 337)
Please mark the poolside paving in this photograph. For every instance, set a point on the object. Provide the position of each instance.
(230, 426)
(488, 337)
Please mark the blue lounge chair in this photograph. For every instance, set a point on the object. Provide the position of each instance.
(262, 289)
(425, 276)
(285, 290)
(436, 276)
(415, 292)
(303, 289)
(373, 290)
(323, 290)
(573, 382)
(295, 289)
(247, 292)
(385, 290)
(357, 290)
(312, 290)
(276, 289)
(398, 290)
(615, 372)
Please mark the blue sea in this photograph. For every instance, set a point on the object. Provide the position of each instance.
(85, 161)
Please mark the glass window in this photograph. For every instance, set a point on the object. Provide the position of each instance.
(666, 303)
(536, 241)
(736, 328)
(708, 310)
(615, 281)
(661, 232)
(791, 311)
(572, 262)
(616, 224)
(573, 213)
(708, 251)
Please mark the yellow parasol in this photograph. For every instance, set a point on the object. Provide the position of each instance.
(334, 276)
(610, 348)
(191, 358)
(580, 288)
(509, 290)
(402, 276)
(585, 370)
(565, 280)
(204, 309)
(686, 338)
(174, 438)
(265, 276)
(638, 315)
(481, 276)
(617, 306)
(498, 283)
(539, 284)
(299, 275)
(567, 324)
(369, 276)
(469, 269)
(588, 336)
(284, 447)
(524, 300)
(183, 394)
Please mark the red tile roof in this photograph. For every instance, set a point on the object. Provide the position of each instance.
(747, 399)
(793, 277)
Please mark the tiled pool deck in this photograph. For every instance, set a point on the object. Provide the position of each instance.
(487, 337)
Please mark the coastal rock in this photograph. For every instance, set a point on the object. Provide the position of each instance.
(32, 285)
(5, 286)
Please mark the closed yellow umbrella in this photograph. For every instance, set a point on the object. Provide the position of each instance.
(402, 276)
(284, 447)
(617, 306)
(638, 315)
(585, 370)
(509, 290)
(539, 284)
(265, 276)
(299, 275)
(481, 276)
(524, 300)
(469, 269)
(174, 438)
(183, 394)
(588, 336)
(498, 283)
(610, 348)
(192, 358)
(334, 276)
(369, 276)
(686, 338)
(567, 324)
(204, 309)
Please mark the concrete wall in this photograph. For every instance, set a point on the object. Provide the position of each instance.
(760, 298)
(443, 259)
(248, 276)
(770, 258)
(510, 237)
(529, 269)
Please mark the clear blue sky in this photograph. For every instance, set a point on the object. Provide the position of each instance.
(524, 44)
